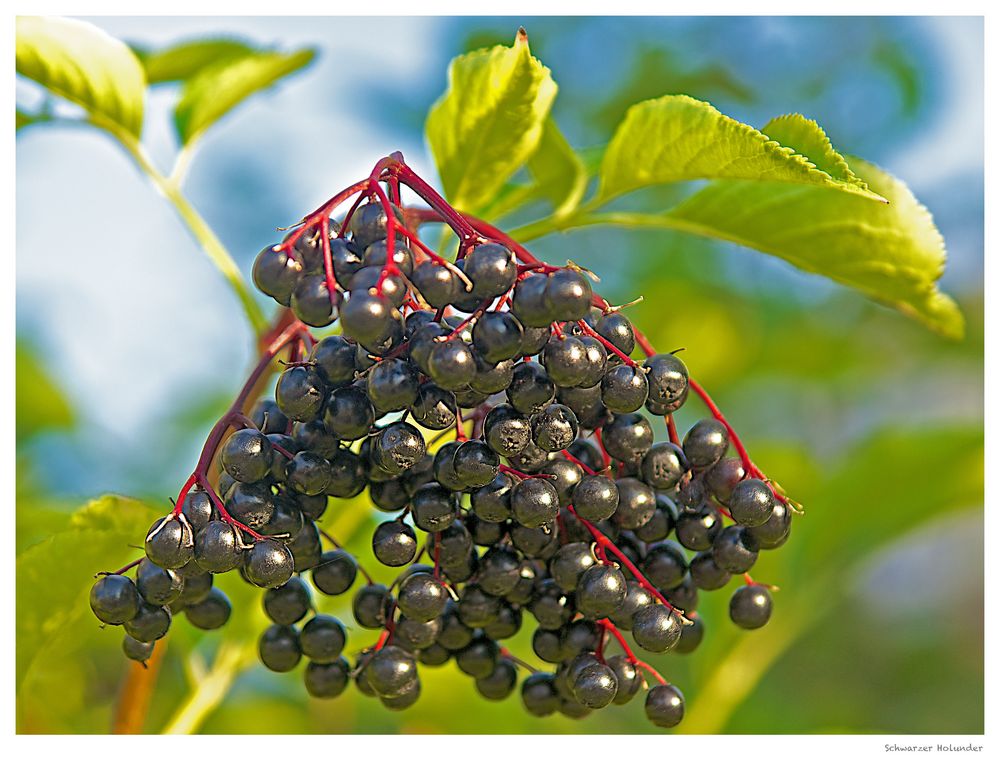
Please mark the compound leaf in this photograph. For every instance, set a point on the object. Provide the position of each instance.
(893, 253)
(678, 138)
(55, 576)
(215, 90)
(559, 173)
(489, 121)
(83, 64)
(184, 60)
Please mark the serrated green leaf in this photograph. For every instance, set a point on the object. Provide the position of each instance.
(55, 576)
(183, 61)
(559, 173)
(215, 91)
(489, 121)
(83, 64)
(807, 138)
(893, 253)
(678, 138)
(40, 405)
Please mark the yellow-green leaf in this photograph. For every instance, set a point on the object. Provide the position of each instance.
(678, 138)
(807, 138)
(40, 405)
(893, 253)
(215, 91)
(54, 577)
(83, 64)
(489, 121)
(559, 173)
(184, 60)
(24, 119)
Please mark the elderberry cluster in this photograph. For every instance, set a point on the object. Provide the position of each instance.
(495, 410)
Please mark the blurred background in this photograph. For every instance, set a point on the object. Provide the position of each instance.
(133, 345)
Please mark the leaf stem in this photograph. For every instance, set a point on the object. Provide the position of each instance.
(137, 691)
(231, 660)
(200, 230)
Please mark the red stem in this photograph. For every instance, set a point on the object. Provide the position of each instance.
(604, 543)
(606, 343)
(613, 630)
(569, 456)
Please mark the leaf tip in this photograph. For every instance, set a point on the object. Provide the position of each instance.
(521, 38)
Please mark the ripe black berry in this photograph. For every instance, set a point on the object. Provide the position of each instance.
(139, 651)
(750, 606)
(735, 550)
(421, 597)
(211, 613)
(170, 542)
(299, 393)
(595, 498)
(391, 672)
(656, 628)
(555, 428)
(371, 604)
(279, 648)
(475, 463)
(774, 532)
(499, 684)
(751, 503)
(600, 591)
(114, 599)
(567, 295)
(288, 603)
(157, 585)
(665, 706)
(268, 563)
(706, 443)
(327, 680)
(539, 695)
(394, 543)
(491, 269)
(534, 503)
(149, 623)
(624, 388)
(322, 638)
(595, 686)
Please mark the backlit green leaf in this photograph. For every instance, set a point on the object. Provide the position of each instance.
(55, 576)
(678, 138)
(215, 91)
(183, 61)
(559, 172)
(41, 405)
(893, 253)
(82, 64)
(489, 121)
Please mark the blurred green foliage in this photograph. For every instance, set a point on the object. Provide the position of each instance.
(868, 419)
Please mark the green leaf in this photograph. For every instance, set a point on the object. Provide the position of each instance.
(183, 61)
(215, 91)
(678, 138)
(25, 120)
(54, 577)
(40, 404)
(489, 121)
(83, 64)
(807, 138)
(839, 533)
(559, 173)
(893, 253)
